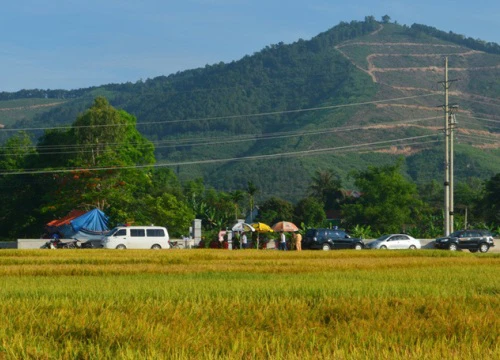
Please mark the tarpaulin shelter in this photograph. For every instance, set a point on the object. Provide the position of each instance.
(81, 225)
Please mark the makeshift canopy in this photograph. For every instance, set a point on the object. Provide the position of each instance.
(80, 225)
(241, 226)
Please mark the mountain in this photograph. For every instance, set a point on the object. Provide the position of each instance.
(362, 93)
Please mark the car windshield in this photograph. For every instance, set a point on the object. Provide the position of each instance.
(111, 232)
(383, 237)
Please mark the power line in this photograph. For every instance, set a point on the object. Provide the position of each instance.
(229, 117)
(211, 161)
(217, 141)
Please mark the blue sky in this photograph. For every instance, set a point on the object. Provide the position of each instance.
(71, 44)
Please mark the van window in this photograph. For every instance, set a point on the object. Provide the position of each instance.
(155, 232)
(137, 232)
(121, 232)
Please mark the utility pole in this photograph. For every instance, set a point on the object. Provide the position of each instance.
(451, 124)
(449, 127)
(447, 153)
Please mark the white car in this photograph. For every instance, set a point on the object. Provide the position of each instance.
(395, 241)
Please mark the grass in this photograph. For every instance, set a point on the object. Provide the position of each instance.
(212, 304)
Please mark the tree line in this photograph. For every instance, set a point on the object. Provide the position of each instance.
(103, 161)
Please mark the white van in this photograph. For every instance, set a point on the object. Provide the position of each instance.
(136, 237)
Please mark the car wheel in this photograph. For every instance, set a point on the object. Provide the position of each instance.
(483, 248)
(473, 250)
(453, 247)
(156, 247)
(121, 247)
(383, 247)
(412, 247)
(358, 247)
(326, 247)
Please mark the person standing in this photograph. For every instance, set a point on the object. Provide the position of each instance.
(244, 240)
(298, 241)
(282, 245)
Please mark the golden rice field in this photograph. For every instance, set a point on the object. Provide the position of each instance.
(219, 304)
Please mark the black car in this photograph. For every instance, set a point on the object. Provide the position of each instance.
(328, 239)
(473, 240)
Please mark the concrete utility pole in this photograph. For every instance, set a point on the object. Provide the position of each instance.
(449, 127)
(447, 153)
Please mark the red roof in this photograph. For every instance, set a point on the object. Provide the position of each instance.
(73, 214)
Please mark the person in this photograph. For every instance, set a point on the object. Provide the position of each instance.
(282, 245)
(244, 240)
(298, 241)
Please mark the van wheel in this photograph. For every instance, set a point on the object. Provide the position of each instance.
(156, 247)
(121, 247)
(326, 247)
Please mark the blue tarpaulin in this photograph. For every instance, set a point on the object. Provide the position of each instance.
(88, 226)
(93, 221)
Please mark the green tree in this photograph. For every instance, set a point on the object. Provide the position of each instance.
(275, 209)
(491, 200)
(108, 148)
(310, 212)
(251, 191)
(20, 193)
(326, 187)
(236, 197)
(389, 202)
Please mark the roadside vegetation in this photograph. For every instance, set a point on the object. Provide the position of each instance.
(103, 161)
(216, 304)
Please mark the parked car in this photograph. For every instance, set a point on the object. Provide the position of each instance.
(328, 239)
(395, 241)
(473, 240)
(137, 237)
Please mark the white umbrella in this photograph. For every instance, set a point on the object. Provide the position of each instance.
(243, 227)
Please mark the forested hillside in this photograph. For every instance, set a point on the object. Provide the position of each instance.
(359, 94)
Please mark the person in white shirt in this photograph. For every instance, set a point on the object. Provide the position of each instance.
(282, 245)
(244, 240)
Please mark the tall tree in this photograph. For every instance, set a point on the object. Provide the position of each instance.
(107, 149)
(251, 191)
(275, 209)
(491, 200)
(326, 187)
(388, 203)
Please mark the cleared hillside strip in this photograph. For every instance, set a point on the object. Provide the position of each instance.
(27, 107)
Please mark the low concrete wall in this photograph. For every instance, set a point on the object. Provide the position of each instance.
(30, 243)
(8, 245)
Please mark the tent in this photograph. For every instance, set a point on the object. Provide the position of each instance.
(81, 225)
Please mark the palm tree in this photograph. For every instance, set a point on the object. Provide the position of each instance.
(251, 191)
(326, 187)
(236, 196)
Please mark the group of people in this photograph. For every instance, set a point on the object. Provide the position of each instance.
(243, 239)
(296, 236)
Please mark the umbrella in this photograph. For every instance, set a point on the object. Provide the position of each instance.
(243, 227)
(261, 227)
(285, 226)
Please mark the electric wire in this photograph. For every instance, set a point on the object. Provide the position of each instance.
(46, 150)
(212, 161)
(228, 117)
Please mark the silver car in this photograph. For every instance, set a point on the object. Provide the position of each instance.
(395, 241)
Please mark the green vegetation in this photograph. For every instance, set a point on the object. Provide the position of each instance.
(188, 144)
(248, 304)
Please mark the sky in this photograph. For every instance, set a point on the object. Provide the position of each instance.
(72, 44)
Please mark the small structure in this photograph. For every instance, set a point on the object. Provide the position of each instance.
(80, 225)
